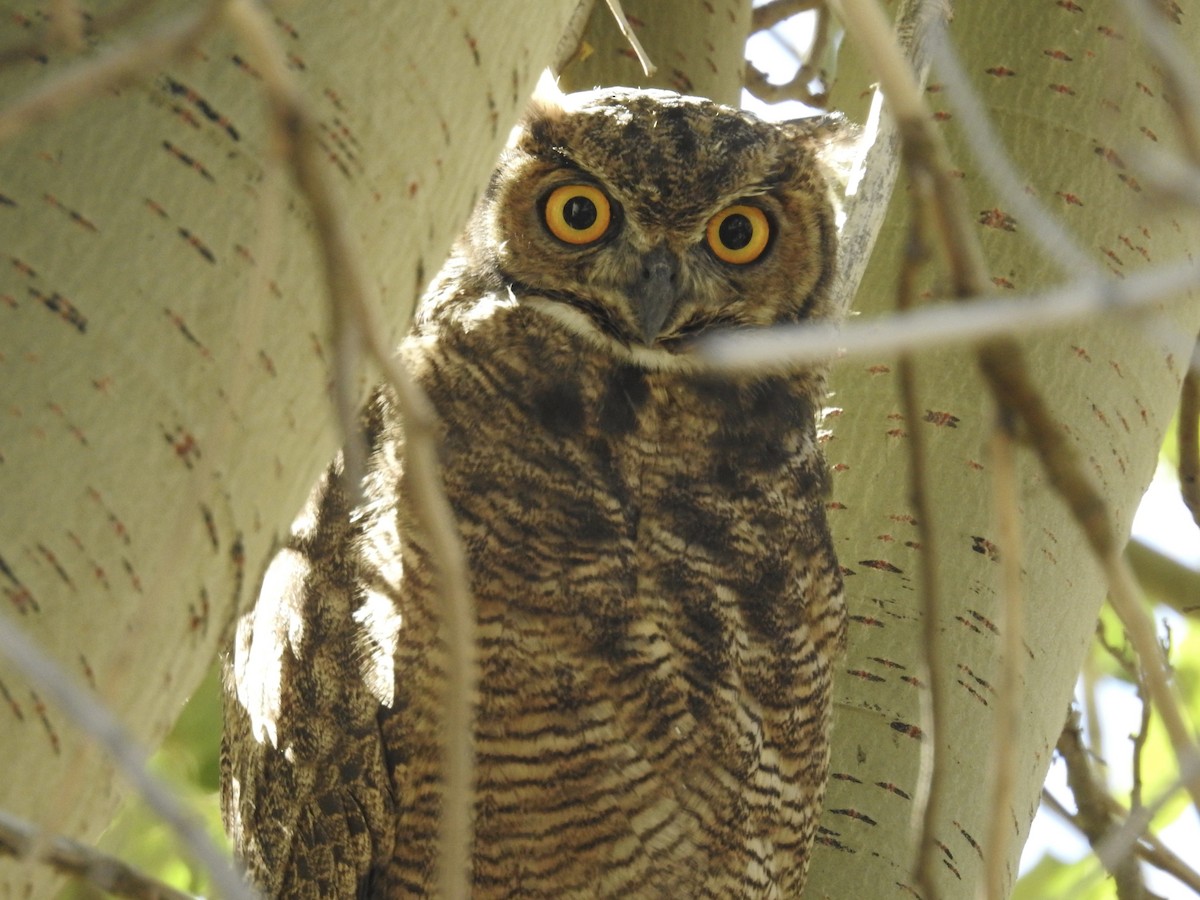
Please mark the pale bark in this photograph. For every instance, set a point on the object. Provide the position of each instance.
(149, 459)
(1073, 96)
(164, 340)
(696, 48)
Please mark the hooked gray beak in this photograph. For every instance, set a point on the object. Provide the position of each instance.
(655, 291)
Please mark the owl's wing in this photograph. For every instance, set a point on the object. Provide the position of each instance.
(305, 791)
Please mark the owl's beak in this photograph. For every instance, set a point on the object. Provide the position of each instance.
(655, 291)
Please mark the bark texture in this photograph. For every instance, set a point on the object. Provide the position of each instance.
(164, 340)
(1074, 96)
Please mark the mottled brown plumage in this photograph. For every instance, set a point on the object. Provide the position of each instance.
(659, 604)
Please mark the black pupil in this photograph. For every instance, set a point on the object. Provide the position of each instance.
(580, 213)
(735, 231)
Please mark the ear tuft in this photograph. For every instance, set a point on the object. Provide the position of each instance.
(834, 140)
(545, 104)
(547, 90)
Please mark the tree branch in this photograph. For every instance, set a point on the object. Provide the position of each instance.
(771, 14)
(797, 87)
(1012, 629)
(26, 841)
(85, 711)
(980, 319)
(935, 712)
(1094, 817)
(359, 321)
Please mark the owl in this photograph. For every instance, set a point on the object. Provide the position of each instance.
(658, 601)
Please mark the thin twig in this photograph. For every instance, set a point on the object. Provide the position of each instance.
(1126, 601)
(771, 14)
(935, 713)
(1012, 629)
(1188, 437)
(1011, 385)
(1133, 835)
(630, 35)
(1139, 744)
(346, 286)
(1147, 847)
(950, 324)
(25, 841)
(1095, 816)
(797, 87)
(84, 709)
(123, 64)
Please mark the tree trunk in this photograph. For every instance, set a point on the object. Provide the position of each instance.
(164, 334)
(1075, 97)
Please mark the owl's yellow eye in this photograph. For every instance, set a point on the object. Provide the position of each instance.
(578, 213)
(739, 234)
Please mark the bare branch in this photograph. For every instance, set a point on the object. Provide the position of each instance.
(771, 14)
(26, 841)
(570, 43)
(1148, 847)
(346, 286)
(1012, 388)
(1124, 597)
(935, 713)
(85, 710)
(947, 325)
(630, 35)
(1095, 815)
(797, 87)
(1012, 628)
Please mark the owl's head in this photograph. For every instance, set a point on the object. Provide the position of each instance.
(647, 219)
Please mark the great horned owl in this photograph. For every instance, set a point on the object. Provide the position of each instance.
(659, 605)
